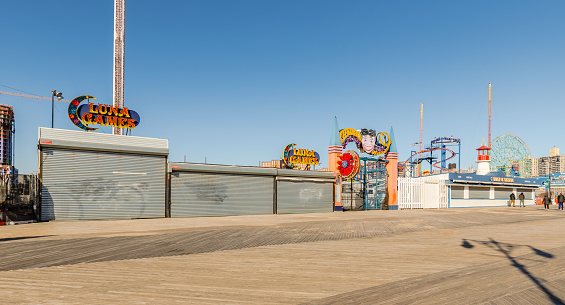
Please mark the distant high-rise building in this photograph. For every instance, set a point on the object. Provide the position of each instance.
(544, 166)
(7, 130)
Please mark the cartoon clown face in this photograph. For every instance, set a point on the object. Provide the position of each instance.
(368, 139)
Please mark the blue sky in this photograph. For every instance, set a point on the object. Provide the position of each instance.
(236, 81)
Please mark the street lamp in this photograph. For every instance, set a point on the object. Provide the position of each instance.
(59, 96)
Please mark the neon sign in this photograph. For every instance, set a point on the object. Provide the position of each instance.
(292, 156)
(367, 141)
(101, 114)
(349, 164)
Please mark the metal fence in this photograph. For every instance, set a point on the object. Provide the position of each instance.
(19, 198)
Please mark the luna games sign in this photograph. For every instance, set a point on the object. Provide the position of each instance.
(101, 114)
(292, 156)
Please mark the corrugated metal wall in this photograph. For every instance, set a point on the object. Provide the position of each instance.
(80, 185)
(221, 190)
(304, 197)
(100, 176)
(220, 194)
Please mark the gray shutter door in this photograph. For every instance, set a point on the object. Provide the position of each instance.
(527, 194)
(502, 193)
(457, 192)
(479, 192)
(304, 197)
(211, 194)
(81, 185)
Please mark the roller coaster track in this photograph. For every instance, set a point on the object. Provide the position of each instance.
(430, 150)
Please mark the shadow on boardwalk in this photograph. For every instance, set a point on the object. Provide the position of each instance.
(506, 249)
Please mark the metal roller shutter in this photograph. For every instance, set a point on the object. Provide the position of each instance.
(304, 197)
(220, 194)
(81, 185)
(479, 192)
(502, 193)
(528, 194)
(457, 192)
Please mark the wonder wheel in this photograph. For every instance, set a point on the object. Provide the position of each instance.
(510, 155)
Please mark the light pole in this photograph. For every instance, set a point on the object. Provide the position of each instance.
(549, 175)
(412, 167)
(59, 96)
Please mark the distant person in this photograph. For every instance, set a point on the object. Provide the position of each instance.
(512, 199)
(560, 200)
(546, 201)
(521, 197)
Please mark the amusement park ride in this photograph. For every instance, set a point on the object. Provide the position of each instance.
(508, 153)
(441, 144)
(429, 155)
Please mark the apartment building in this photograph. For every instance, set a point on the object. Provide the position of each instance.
(554, 163)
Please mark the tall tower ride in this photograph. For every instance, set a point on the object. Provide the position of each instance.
(119, 35)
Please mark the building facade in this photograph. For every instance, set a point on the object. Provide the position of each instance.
(552, 164)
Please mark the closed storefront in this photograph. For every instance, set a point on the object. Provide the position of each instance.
(503, 193)
(479, 192)
(87, 176)
(304, 196)
(472, 190)
(224, 192)
(528, 193)
(221, 190)
(457, 192)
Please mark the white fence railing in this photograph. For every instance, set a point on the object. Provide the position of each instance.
(422, 193)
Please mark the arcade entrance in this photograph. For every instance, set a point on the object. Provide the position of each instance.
(367, 190)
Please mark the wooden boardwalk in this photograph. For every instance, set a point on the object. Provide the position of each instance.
(454, 256)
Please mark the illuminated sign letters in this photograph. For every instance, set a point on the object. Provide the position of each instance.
(292, 156)
(101, 114)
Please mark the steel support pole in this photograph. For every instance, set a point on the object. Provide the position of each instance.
(459, 165)
(52, 107)
(364, 185)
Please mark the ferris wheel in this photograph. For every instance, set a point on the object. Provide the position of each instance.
(510, 155)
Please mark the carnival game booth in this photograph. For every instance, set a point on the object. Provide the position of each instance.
(223, 190)
(488, 189)
(87, 176)
(454, 190)
(493, 189)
